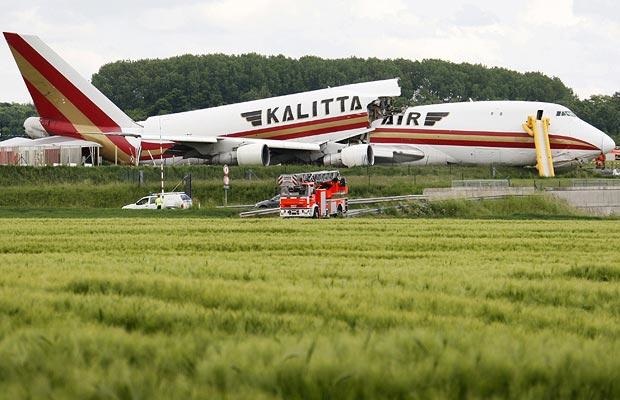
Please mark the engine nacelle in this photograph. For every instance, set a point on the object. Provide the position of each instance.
(253, 154)
(34, 129)
(249, 154)
(359, 155)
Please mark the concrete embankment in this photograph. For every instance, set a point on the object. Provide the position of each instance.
(596, 200)
(476, 192)
(593, 200)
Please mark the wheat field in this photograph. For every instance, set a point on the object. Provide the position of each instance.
(114, 308)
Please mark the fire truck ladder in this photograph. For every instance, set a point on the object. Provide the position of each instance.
(318, 176)
(539, 130)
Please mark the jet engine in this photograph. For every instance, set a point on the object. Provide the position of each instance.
(248, 154)
(34, 129)
(358, 155)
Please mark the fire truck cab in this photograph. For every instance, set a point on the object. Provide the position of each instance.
(313, 195)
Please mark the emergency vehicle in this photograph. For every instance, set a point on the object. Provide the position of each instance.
(313, 195)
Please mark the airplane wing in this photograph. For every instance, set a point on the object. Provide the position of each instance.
(181, 139)
(193, 141)
(274, 144)
(396, 154)
(307, 143)
(246, 151)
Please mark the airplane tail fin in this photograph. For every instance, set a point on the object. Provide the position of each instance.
(67, 103)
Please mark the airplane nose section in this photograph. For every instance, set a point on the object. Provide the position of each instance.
(607, 144)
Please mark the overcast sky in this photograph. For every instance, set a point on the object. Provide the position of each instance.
(575, 40)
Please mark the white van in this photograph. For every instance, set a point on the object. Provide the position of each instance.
(171, 200)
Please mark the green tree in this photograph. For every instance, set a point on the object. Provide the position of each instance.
(12, 117)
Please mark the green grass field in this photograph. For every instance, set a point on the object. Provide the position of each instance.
(113, 187)
(143, 308)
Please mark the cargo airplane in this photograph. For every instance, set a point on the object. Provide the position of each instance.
(332, 126)
(328, 126)
(484, 132)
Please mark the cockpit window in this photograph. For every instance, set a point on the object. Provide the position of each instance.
(565, 114)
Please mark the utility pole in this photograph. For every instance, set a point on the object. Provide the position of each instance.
(161, 162)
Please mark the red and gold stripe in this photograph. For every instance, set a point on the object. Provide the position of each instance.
(308, 128)
(473, 139)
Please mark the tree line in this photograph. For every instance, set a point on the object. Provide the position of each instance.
(12, 117)
(153, 86)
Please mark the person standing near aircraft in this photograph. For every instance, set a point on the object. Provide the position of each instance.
(600, 161)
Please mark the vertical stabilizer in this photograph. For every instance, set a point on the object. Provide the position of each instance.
(68, 104)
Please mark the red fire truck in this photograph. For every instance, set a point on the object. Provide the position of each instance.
(313, 194)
